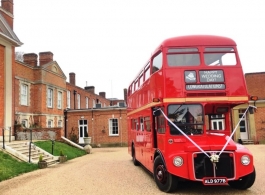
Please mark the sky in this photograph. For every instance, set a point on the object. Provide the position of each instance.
(106, 42)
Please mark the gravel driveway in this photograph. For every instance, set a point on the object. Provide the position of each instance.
(111, 171)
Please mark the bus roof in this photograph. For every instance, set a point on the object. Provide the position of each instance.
(198, 40)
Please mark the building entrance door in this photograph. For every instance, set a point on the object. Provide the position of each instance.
(243, 125)
(82, 130)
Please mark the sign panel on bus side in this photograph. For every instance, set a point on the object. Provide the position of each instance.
(205, 87)
(211, 76)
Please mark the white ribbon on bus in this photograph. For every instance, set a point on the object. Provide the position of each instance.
(214, 157)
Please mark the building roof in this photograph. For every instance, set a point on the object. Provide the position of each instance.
(7, 33)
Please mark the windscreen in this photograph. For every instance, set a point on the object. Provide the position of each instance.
(215, 56)
(183, 57)
(187, 117)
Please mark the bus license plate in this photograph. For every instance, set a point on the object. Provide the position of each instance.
(215, 181)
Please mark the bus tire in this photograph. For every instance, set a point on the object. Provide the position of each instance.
(135, 161)
(165, 181)
(244, 182)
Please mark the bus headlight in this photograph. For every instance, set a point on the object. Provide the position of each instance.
(178, 161)
(245, 160)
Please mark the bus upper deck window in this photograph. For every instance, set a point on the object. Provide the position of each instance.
(183, 57)
(147, 71)
(216, 56)
(157, 63)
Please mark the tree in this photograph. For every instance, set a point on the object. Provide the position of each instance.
(19, 56)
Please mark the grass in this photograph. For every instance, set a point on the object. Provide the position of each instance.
(58, 147)
(11, 167)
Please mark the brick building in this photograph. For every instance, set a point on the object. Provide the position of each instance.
(40, 92)
(252, 127)
(88, 114)
(81, 98)
(106, 126)
(8, 42)
(45, 102)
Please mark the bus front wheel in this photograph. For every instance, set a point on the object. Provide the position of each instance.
(244, 182)
(165, 181)
(135, 162)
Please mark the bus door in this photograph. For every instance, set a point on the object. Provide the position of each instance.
(140, 140)
(159, 131)
(148, 143)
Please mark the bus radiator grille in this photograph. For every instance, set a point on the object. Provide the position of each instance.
(203, 167)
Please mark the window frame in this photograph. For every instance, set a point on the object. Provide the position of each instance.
(111, 130)
(156, 58)
(87, 102)
(59, 99)
(60, 123)
(83, 128)
(24, 123)
(24, 94)
(50, 98)
(78, 101)
(50, 123)
(68, 99)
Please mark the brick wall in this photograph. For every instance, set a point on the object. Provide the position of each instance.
(260, 124)
(38, 133)
(83, 94)
(255, 84)
(98, 125)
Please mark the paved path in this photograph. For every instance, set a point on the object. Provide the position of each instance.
(111, 171)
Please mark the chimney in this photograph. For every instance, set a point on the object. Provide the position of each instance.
(90, 89)
(31, 59)
(7, 12)
(72, 78)
(102, 94)
(45, 57)
(125, 94)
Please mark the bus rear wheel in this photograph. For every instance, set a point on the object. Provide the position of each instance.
(244, 182)
(165, 181)
(135, 162)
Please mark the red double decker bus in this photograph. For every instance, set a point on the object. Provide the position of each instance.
(179, 114)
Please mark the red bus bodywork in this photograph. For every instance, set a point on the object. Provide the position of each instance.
(195, 80)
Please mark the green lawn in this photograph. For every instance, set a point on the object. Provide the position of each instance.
(70, 151)
(11, 167)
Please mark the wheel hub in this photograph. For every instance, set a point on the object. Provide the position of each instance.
(161, 173)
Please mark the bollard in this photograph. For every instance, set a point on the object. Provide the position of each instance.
(52, 145)
(3, 137)
(30, 142)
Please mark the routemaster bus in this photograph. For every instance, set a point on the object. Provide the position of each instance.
(179, 114)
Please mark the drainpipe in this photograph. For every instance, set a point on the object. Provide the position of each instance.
(74, 97)
(120, 123)
(65, 122)
(93, 138)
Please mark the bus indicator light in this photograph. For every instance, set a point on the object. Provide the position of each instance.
(156, 100)
(254, 98)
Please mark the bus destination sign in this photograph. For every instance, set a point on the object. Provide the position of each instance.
(211, 76)
(205, 87)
